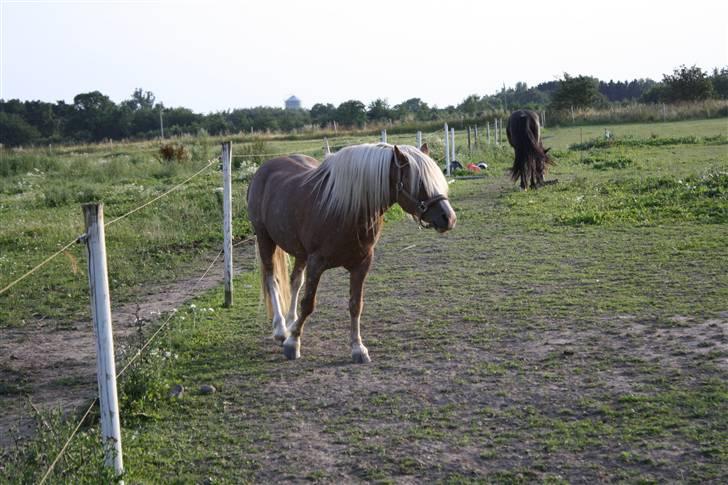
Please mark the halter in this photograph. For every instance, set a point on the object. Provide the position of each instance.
(421, 206)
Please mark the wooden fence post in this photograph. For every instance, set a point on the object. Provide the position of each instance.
(447, 150)
(487, 132)
(227, 220)
(469, 147)
(98, 281)
(418, 140)
(327, 148)
(384, 136)
(475, 136)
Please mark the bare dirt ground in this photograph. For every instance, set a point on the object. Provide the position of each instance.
(56, 364)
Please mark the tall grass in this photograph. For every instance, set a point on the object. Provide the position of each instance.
(640, 113)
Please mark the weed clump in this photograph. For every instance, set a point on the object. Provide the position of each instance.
(173, 152)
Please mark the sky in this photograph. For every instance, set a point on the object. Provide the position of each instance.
(218, 55)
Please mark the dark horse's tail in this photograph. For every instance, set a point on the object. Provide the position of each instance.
(531, 160)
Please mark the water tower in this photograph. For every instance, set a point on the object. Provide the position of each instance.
(293, 103)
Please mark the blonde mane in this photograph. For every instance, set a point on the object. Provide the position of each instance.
(353, 183)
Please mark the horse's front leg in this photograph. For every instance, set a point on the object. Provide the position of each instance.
(359, 353)
(292, 344)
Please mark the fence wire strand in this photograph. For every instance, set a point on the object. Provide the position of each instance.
(128, 364)
(209, 164)
(39, 265)
(164, 324)
(64, 248)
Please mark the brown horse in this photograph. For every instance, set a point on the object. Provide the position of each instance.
(531, 160)
(330, 215)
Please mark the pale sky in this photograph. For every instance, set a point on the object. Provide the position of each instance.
(217, 55)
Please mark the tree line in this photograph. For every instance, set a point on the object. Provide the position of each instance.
(95, 117)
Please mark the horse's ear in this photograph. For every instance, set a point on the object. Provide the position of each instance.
(400, 156)
(425, 149)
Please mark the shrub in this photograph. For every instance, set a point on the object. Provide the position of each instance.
(173, 152)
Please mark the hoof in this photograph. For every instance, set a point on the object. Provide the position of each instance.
(292, 348)
(360, 356)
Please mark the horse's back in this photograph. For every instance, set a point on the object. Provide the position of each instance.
(523, 127)
(277, 173)
(276, 198)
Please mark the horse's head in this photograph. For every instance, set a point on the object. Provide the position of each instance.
(420, 188)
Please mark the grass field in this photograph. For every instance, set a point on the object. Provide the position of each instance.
(571, 334)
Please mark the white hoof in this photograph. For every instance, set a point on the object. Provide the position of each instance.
(292, 348)
(360, 355)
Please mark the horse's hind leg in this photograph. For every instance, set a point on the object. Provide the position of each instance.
(359, 353)
(292, 345)
(266, 249)
(296, 284)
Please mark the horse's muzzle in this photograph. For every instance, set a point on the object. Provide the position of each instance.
(442, 216)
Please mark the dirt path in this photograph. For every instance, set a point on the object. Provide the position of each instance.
(55, 366)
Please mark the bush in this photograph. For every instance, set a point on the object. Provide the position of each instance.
(173, 152)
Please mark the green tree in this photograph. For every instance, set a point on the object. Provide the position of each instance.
(413, 108)
(719, 79)
(323, 114)
(351, 113)
(577, 92)
(471, 105)
(379, 110)
(15, 131)
(687, 84)
(94, 117)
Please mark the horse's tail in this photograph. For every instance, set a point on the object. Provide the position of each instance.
(517, 128)
(530, 156)
(280, 273)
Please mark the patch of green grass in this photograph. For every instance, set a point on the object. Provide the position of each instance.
(654, 141)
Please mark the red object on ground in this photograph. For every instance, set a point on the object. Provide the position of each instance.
(473, 167)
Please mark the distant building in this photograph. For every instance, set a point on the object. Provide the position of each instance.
(293, 103)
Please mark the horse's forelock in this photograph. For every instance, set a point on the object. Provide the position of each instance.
(424, 170)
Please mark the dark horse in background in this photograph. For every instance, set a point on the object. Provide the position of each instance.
(330, 215)
(531, 159)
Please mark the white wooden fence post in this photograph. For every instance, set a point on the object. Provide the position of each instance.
(476, 141)
(326, 146)
(452, 144)
(384, 136)
(487, 132)
(98, 281)
(447, 150)
(227, 220)
(495, 131)
(418, 139)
